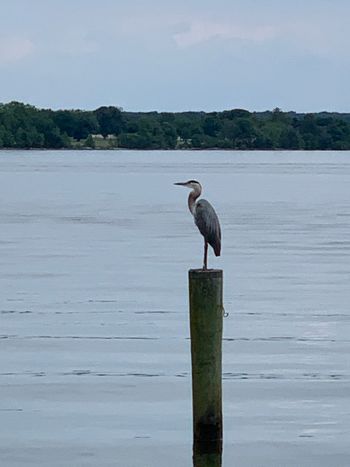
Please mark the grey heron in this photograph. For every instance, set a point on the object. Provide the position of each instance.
(205, 219)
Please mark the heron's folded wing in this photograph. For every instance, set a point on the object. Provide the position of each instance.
(208, 224)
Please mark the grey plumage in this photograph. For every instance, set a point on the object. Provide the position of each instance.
(205, 219)
(208, 224)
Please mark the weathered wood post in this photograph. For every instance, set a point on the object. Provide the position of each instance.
(206, 316)
(207, 460)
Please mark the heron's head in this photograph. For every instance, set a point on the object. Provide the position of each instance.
(192, 184)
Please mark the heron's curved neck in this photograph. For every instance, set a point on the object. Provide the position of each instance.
(195, 193)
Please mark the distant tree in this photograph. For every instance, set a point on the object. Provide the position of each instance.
(169, 135)
(212, 125)
(89, 142)
(24, 126)
(289, 139)
(235, 113)
(76, 123)
(309, 124)
(262, 141)
(110, 120)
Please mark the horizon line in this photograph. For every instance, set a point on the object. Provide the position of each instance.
(122, 109)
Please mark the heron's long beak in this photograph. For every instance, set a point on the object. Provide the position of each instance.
(180, 183)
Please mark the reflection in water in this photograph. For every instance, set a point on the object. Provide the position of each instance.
(207, 460)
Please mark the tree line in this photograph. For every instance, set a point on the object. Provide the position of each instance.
(25, 126)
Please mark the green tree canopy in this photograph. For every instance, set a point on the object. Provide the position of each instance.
(24, 126)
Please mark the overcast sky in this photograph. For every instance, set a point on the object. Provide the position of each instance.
(176, 55)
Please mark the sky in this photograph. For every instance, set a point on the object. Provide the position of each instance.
(178, 55)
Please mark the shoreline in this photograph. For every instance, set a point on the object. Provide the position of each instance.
(171, 150)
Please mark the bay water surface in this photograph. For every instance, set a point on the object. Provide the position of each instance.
(94, 335)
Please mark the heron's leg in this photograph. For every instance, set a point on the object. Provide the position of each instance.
(205, 255)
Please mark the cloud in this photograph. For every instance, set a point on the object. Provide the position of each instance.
(177, 55)
(14, 49)
(202, 31)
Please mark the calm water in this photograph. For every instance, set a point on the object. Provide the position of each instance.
(94, 347)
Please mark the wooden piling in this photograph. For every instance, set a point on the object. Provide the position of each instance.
(207, 460)
(206, 316)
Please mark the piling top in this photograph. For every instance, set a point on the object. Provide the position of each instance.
(202, 273)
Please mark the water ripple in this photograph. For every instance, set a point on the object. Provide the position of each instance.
(304, 376)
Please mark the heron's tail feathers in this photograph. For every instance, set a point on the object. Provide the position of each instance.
(217, 248)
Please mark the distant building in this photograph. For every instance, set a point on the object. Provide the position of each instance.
(99, 136)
